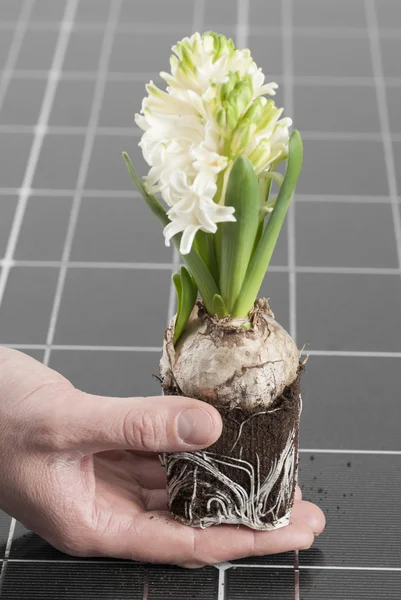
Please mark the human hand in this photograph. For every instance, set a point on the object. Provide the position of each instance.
(82, 472)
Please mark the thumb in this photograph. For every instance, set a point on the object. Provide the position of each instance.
(160, 424)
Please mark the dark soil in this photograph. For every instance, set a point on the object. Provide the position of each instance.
(263, 436)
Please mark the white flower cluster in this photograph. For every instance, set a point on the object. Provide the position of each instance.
(212, 110)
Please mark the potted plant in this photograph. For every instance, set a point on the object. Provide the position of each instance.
(213, 142)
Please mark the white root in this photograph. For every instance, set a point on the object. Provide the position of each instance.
(231, 503)
(245, 422)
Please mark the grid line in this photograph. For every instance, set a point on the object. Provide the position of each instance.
(93, 193)
(104, 60)
(224, 568)
(331, 136)
(7, 552)
(15, 47)
(47, 103)
(374, 42)
(98, 348)
(122, 76)
(174, 266)
(155, 28)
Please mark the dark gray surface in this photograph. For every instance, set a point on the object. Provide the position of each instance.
(128, 233)
(14, 152)
(351, 403)
(8, 205)
(35, 581)
(397, 160)
(157, 55)
(105, 373)
(83, 51)
(73, 114)
(5, 521)
(394, 109)
(267, 51)
(44, 228)
(349, 312)
(93, 11)
(358, 494)
(55, 152)
(341, 14)
(107, 170)
(122, 99)
(26, 307)
(338, 585)
(181, 584)
(343, 167)
(260, 584)
(47, 11)
(262, 12)
(366, 231)
(169, 12)
(275, 287)
(5, 40)
(9, 11)
(37, 50)
(391, 48)
(332, 108)
(327, 57)
(22, 102)
(138, 299)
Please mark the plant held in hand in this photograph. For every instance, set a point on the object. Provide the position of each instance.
(213, 142)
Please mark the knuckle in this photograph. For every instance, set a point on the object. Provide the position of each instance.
(47, 432)
(145, 431)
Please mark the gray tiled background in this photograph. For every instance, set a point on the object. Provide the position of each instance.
(85, 276)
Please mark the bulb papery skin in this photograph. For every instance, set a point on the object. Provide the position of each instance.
(230, 366)
(213, 109)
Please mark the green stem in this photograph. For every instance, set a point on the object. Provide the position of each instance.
(261, 259)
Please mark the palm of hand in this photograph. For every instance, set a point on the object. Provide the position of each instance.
(130, 518)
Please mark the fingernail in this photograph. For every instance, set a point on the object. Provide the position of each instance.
(195, 426)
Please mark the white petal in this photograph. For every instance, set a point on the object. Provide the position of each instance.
(188, 238)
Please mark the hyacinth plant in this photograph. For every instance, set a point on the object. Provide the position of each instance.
(213, 140)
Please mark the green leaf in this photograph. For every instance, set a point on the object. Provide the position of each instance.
(219, 308)
(186, 294)
(264, 251)
(237, 239)
(150, 200)
(203, 278)
(178, 288)
(204, 246)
